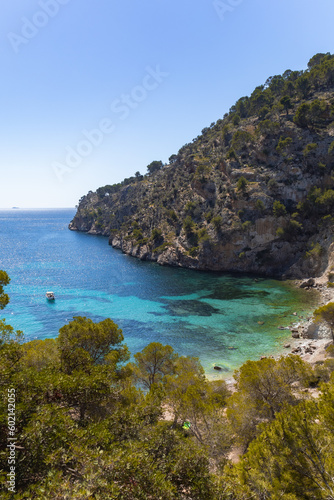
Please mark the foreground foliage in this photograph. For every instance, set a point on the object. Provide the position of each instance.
(85, 430)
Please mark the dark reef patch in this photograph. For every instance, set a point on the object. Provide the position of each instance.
(190, 308)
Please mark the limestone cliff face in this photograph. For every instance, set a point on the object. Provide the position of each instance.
(253, 193)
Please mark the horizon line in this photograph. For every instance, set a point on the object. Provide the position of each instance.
(36, 208)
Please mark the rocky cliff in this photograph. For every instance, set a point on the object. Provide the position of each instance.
(253, 193)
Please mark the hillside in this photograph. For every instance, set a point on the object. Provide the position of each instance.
(253, 193)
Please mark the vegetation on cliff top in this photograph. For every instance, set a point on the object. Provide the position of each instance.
(254, 185)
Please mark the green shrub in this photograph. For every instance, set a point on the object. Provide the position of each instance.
(225, 134)
(314, 114)
(208, 216)
(279, 209)
(283, 145)
(280, 232)
(137, 234)
(156, 234)
(236, 120)
(330, 351)
(326, 200)
(190, 207)
(312, 146)
(231, 155)
(263, 113)
(143, 241)
(202, 235)
(294, 226)
(260, 206)
(268, 127)
(193, 251)
(327, 220)
(240, 139)
(201, 171)
(242, 184)
(316, 251)
(172, 215)
(160, 248)
(217, 222)
(188, 224)
(246, 225)
(272, 184)
(301, 117)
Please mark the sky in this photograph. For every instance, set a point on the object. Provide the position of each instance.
(92, 92)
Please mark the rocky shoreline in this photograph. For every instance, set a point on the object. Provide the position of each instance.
(310, 339)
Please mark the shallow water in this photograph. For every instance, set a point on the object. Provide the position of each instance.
(210, 315)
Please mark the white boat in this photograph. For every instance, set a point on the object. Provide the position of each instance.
(50, 295)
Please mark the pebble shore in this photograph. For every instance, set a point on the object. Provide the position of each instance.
(308, 339)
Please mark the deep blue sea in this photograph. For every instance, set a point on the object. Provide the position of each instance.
(213, 316)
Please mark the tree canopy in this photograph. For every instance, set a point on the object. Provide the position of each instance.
(4, 281)
(83, 343)
(154, 166)
(153, 363)
(86, 430)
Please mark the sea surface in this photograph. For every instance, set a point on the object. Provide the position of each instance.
(223, 319)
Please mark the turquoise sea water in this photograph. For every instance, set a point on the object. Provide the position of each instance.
(213, 316)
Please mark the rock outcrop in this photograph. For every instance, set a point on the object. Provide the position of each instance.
(253, 193)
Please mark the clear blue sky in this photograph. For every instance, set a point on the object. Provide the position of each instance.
(151, 74)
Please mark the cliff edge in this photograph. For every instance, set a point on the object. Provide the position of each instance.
(253, 193)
